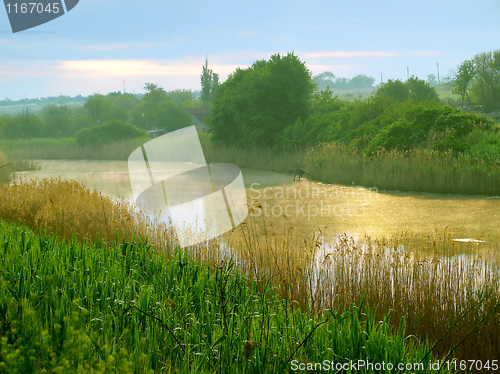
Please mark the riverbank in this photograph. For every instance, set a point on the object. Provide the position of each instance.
(425, 282)
(67, 149)
(419, 170)
(121, 307)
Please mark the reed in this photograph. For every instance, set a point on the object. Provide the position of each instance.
(68, 149)
(427, 282)
(4, 168)
(424, 284)
(416, 170)
(255, 158)
(119, 307)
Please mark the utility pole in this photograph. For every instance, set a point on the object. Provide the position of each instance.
(407, 73)
(437, 63)
(124, 87)
(381, 78)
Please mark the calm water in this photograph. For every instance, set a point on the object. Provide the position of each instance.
(310, 206)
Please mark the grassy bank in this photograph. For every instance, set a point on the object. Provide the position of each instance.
(120, 307)
(254, 158)
(67, 149)
(422, 282)
(421, 170)
(416, 170)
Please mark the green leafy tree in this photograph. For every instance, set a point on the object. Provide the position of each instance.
(486, 86)
(158, 111)
(181, 97)
(395, 90)
(97, 106)
(361, 81)
(255, 105)
(23, 126)
(413, 88)
(121, 106)
(58, 121)
(324, 80)
(209, 83)
(462, 79)
(420, 90)
(113, 131)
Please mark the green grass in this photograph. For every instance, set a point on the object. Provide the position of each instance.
(416, 170)
(254, 158)
(119, 307)
(67, 149)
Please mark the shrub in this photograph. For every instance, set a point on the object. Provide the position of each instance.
(109, 132)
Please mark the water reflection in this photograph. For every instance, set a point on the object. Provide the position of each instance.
(311, 206)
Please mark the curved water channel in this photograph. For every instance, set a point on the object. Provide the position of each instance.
(310, 206)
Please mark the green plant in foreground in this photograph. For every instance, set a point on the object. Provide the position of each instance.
(72, 307)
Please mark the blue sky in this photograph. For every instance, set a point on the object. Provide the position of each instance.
(101, 43)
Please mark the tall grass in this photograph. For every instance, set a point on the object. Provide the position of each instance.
(427, 282)
(255, 158)
(68, 149)
(69, 307)
(4, 168)
(416, 170)
(423, 283)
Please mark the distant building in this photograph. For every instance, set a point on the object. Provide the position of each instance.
(155, 133)
(199, 118)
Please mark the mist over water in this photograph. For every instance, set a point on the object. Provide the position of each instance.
(310, 206)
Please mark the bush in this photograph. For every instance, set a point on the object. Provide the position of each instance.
(109, 132)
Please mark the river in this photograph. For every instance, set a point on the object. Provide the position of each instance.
(310, 206)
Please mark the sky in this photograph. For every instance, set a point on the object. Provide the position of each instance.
(102, 46)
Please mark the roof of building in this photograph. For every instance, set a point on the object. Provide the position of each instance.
(199, 113)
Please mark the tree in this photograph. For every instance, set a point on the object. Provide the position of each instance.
(255, 105)
(432, 80)
(361, 81)
(58, 121)
(420, 90)
(109, 132)
(96, 106)
(209, 83)
(394, 89)
(324, 80)
(413, 88)
(23, 126)
(181, 96)
(462, 79)
(158, 111)
(486, 86)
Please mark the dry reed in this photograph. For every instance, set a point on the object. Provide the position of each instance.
(424, 283)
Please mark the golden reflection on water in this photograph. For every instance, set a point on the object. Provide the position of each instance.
(357, 211)
(310, 206)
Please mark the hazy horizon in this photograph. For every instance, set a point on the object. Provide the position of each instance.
(99, 45)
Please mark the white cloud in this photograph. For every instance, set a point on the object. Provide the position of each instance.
(248, 33)
(140, 68)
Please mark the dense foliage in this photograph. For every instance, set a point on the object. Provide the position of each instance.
(270, 104)
(113, 131)
(156, 109)
(254, 106)
(477, 81)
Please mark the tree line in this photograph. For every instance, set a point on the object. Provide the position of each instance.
(103, 118)
(276, 104)
(477, 81)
